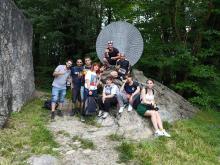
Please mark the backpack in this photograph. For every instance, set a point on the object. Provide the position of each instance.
(90, 106)
(47, 104)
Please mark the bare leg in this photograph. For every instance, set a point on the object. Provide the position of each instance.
(159, 121)
(153, 116)
(53, 106)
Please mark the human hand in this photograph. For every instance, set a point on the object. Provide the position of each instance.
(90, 92)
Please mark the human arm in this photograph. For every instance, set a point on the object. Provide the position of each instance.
(57, 72)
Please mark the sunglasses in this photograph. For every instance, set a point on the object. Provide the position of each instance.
(110, 42)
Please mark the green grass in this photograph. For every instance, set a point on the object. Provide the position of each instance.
(116, 137)
(26, 134)
(193, 141)
(85, 143)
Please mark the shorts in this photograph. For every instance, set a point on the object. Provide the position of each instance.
(58, 95)
(76, 94)
(110, 61)
(142, 108)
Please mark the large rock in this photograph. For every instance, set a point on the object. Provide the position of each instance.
(16, 62)
(172, 107)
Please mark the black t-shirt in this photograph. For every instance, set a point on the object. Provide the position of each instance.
(129, 89)
(113, 53)
(75, 71)
(124, 66)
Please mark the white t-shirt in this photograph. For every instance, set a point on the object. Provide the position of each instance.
(93, 79)
(110, 89)
(60, 81)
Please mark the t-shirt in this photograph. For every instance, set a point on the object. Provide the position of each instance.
(110, 89)
(85, 70)
(60, 81)
(113, 53)
(93, 79)
(75, 71)
(124, 66)
(129, 89)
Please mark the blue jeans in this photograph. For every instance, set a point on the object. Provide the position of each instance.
(58, 95)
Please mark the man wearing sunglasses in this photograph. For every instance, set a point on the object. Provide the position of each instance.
(76, 74)
(61, 75)
(111, 55)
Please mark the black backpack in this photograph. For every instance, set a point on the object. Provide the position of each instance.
(90, 106)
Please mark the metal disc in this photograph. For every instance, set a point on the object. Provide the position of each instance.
(126, 38)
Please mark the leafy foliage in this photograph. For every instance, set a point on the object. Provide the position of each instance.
(181, 38)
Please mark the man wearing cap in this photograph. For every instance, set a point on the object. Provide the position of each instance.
(111, 55)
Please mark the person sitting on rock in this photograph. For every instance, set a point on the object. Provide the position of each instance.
(111, 55)
(129, 91)
(147, 107)
(108, 98)
(123, 67)
(61, 74)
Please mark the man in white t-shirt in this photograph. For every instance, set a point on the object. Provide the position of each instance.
(61, 75)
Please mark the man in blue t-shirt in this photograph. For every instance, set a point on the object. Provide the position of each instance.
(130, 90)
(76, 74)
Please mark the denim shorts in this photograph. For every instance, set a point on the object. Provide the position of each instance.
(58, 95)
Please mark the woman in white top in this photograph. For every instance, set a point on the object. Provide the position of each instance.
(148, 108)
(108, 98)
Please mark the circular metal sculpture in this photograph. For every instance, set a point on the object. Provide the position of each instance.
(126, 38)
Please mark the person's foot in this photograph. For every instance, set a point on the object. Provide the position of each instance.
(100, 113)
(158, 133)
(105, 115)
(52, 117)
(121, 109)
(72, 113)
(130, 108)
(82, 119)
(59, 113)
(165, 133)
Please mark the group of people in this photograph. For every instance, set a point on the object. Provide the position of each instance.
(86, 79)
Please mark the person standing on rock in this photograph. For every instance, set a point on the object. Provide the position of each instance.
(129, 91)
(76, 74)
(108, 98)
(61, 75)
(111, 55)
(147, 107)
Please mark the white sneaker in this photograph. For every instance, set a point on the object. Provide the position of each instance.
(121, 110)
(105, 115)
(100, 113)
(130, 108)
(165, 133)
(158, 133)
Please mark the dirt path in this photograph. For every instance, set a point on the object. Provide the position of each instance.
(81, 143)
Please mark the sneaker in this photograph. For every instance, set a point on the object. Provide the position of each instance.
(52, 116)
(72, 113)
(158, 133)
(121, 110)
(59, 113)
(82, 119)
(165, 133)
(105, 115)
(130, 108)
(100, 113)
